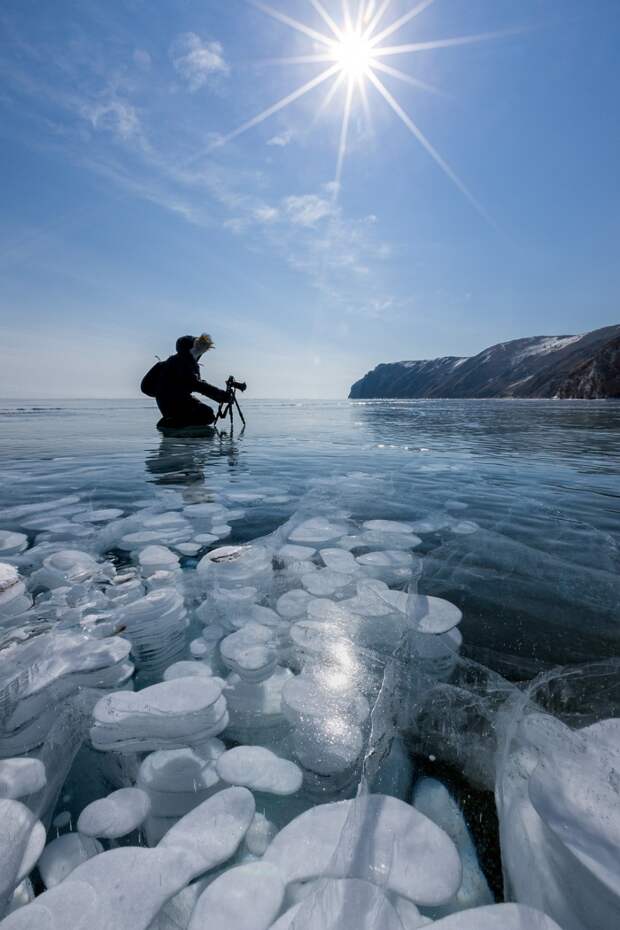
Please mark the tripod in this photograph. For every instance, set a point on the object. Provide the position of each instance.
(226, 409)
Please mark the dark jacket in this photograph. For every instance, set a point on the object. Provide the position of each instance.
(179, 379)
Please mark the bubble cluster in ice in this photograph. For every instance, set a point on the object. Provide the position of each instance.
(218, 734)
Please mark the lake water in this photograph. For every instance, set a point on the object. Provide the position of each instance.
(538, 580)
(517, 508)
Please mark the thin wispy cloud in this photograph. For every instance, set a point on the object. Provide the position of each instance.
(281, 140)
(198, 61)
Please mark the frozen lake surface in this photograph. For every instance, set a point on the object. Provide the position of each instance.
(376, 640)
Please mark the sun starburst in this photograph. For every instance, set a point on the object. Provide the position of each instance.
(352, 53)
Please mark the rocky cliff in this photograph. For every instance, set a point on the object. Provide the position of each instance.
(584, 366)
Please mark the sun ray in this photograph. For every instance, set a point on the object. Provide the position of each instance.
(377, 18)
(363, 88)
(344, 135)
(443, 43)
(432, 151)
(407, 78)
(298, 59)
(346, 12)
(318, 6)
(293, 23)
(329, 96)
(401, 22)
(280, 105)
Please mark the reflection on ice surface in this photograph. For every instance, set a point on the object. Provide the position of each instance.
(276, 733)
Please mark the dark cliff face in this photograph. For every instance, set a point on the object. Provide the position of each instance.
(542, 366)
(598, 376)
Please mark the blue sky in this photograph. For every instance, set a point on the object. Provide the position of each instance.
(125, 222)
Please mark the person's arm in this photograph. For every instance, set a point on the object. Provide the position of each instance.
(208, 390)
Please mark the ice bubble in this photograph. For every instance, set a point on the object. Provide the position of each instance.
(317, 531)
(497, 917)
(168, 715)
(465, 527)
(177, 780)
(408, 914)
(205, 539)
(120, 813)
(68, 567)
(391, 565)
(426, 614)
(133, 884)
(388, 526)
(244, 497)
(71, 904)
(188, 549)
(327, 746)
(324, 693)
(24, 510)
(290, 553)
(256, 708)
(293, 604)
(8, 577)
(373, 599)
(21, 777)
(250, 652)
(248, 897)
(345, 904)
(22, 839)
(213, 831)
(155, 625)
(260, 835)
(23, 894)
(237, 566)
(191, 669)
(98, 516)
(325, 582)
(133, 541)
(339, 560)
(260, 770)
(12, 544)
(157, 559)
(36, 674)
(226, 605)
(433, 799)
(222, 530)
(374, 837)
(176, 914)
(64, 854)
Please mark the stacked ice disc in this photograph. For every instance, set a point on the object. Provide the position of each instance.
(36, 675)
(156, 626)
(226, 606)
(177, 781)
(251, 652)
(171, 715)
(70, 567)
(327, 714)
(237, 567)
(156, 529)
(14, 601)
(255, 710)
(12, 544)
(124, 589)
(155, 559)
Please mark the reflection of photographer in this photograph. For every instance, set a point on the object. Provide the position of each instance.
(173, 382)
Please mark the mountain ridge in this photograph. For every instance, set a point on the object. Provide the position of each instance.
(569, 366)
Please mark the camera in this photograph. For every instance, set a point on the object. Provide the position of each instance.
(233, 385)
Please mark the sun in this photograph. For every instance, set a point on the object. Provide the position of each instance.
(353, 55)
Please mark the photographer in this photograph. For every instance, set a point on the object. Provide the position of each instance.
(173, 382)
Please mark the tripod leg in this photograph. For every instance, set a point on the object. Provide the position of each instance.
(239, 411)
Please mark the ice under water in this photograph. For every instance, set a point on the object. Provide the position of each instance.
(354, 668)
